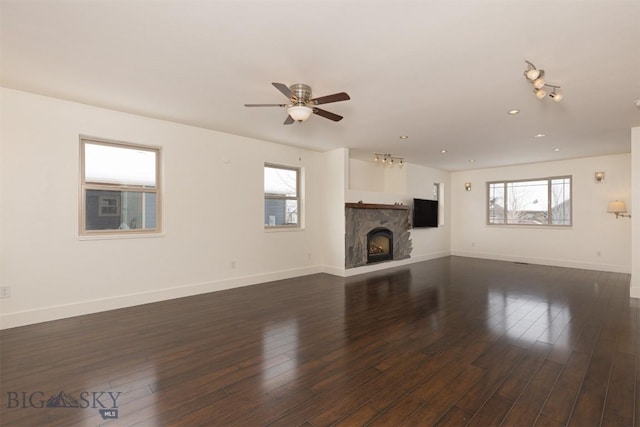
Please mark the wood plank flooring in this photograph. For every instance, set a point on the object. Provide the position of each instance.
(448, 342)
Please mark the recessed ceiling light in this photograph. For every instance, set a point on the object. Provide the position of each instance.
(404, 136)
(540, 135)
(513, 112)
(556, 149)
(471, 160)
(443, 151)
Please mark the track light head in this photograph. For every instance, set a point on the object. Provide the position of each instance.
(539, 83)
(540, 93)
(557, 97)
(532, 73)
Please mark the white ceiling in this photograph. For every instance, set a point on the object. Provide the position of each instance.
(445, 73)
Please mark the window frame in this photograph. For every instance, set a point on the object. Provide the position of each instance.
(297, 198)
(99, 186)
(438, 194)
(549, 181)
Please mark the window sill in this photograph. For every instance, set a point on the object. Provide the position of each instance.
(120, 236)
(531, 226)
(285, 229)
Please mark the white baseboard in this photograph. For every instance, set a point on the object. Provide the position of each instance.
(348, 272)
(62, 311)
(545, 261)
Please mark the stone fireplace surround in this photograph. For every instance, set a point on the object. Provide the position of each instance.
(361, 218)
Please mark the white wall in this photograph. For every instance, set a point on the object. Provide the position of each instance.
(212, 212)
(366, 176)
(429, 243)
(401, 185)
(335, 176)
(594, 230)
(635, 211)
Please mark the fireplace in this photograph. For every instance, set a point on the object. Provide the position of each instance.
(379, 245)
(363, 221)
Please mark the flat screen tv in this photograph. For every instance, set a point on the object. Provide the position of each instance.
(425, 213)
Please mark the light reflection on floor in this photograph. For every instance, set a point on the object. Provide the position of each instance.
(529, 319)
(279, 347)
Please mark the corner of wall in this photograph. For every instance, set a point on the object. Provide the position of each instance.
(635, 211)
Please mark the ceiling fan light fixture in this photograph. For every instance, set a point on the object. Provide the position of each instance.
(301, 105)
(300, 113)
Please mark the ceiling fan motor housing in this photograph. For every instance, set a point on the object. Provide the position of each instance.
(302, 93)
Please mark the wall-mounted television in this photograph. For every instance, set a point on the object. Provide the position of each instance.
(425, 213)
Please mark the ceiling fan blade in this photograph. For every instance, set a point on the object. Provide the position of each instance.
(327, 114)
(285, 91)
(342, 96)
(265, 105)
(289, 120)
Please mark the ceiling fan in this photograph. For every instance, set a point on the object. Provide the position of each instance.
(301, 105)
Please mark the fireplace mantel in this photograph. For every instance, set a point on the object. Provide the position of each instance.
(374, 206)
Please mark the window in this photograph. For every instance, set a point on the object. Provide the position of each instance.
(543, 201)
(120, 188)
(281, 196)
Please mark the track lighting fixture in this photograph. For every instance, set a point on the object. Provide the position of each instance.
(387, 158)
(535, 77)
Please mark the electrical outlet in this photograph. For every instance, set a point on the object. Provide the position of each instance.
(5, 292)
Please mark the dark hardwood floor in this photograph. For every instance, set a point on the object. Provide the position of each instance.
(449, 342)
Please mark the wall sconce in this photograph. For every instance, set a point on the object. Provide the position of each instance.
(387, 158)
(467, 186)
(618, 208)
(599, 176)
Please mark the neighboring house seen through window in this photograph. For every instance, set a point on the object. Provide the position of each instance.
(281, 196)
(120, 188)
(542, 201)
